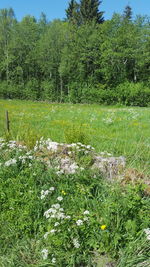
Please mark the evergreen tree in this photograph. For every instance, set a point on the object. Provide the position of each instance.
(89, 10)
(73, 12)
(127, 14)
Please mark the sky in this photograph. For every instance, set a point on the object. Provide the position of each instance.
(55, 9)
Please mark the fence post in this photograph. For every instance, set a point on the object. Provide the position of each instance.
(7, 121)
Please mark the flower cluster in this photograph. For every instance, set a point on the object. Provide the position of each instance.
(46, 192)
(56, 212)
(76, 243)
(11, 145)
(10, 162)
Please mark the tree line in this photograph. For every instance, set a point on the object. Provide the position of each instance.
(81, 59)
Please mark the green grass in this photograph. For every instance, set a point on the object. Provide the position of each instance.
(112, 229)
(118, 130)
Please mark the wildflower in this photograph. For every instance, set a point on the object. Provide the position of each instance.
(10, 162)
(79, 222)
(52, 231)
(44, 193)
(86, 212)
(76, 243)
(44, 253)
(61, 209)
(53, 260)
(56, 206)
(56, 224)
(60, 198)
(68, 217)
(46, 235)
(103, 227)
(63, 192)
(52, 188)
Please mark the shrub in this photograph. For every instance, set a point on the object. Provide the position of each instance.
(133, 94)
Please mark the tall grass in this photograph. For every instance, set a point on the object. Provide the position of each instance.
(119, 130)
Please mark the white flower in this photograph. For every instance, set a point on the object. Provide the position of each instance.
(68, 217)
(56, 224)
(61, 215)
(60, 198)
(79, 222)
(85, 218)
(10, 162)
(52, 231)
(44, 253)
(44, 193)
(52, 188)
(53, 260)
(56, 206)
(76, 243)
(61, 209)
(46, 235)
(86, 212)
(53, 146)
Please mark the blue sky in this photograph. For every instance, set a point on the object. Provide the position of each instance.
(56, 8)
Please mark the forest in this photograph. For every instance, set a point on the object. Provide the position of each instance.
(80, 59)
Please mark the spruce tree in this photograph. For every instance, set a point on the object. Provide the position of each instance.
(73, 13)
(127, 14)
(89, 10)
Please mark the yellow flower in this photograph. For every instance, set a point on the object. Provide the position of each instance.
(103, 227)
(63, 192)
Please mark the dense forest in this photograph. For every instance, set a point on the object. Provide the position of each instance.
(81, 59)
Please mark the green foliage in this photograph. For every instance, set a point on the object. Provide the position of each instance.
(76, 133)
(71, 61)
(97, 217)
(136, 253)
(30, 135)
(134, 94)
(32, 89)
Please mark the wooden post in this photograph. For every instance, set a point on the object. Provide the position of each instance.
(7, 121)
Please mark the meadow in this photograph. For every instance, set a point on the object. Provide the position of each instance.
(118, 130)
(50, 216)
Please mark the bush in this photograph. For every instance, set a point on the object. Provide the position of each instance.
(133, 94)
(10, 91)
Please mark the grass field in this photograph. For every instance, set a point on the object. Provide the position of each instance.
(61, 219)
(118, 130)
